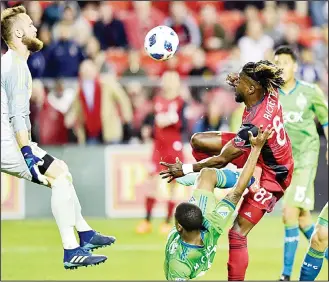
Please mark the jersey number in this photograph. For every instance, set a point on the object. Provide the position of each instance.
(262, 196)
(300, 194)
(278, 127)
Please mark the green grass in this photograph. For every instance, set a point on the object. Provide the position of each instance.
(31, 250)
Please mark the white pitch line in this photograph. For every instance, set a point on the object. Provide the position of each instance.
(117, 247)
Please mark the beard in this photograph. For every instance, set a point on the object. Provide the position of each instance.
(32, 44)
(239, 98)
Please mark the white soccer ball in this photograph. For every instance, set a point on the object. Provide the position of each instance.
(161, 43)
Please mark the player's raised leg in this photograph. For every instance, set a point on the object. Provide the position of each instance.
(208, 144)
(313, 260)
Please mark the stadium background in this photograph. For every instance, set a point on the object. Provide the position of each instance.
(108, 171)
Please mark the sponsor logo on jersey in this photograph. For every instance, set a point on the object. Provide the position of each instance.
(223, 211)
(292, 117)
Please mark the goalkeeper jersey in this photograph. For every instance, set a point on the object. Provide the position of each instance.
(300, 106)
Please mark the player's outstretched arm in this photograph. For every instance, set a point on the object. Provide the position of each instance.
(257, 144)
(229, 153)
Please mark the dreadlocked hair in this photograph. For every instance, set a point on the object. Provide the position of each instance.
(265, 73)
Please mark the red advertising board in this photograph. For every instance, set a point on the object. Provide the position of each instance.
(12, 197)
(127, 171)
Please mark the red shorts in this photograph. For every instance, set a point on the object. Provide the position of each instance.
(164, 155)
(256, 203)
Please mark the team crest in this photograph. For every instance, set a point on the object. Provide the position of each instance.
(173, 247)
(239, 141)
(223, 212)
(301, 101)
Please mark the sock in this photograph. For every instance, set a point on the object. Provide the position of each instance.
(170, 211)
(62, 207)
(226, 178)
(308, 231)
(200, 155)
(238, 256)
(149, 203)
(311, 265)
(290, 247)
(81, 224)
(188, 179)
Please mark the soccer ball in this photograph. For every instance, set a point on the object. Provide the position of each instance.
(161, 43)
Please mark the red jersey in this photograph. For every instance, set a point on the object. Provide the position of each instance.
(276, 157)
(167, 140)
(168, 137)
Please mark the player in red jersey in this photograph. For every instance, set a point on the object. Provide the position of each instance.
(256, 85)
(167, 133)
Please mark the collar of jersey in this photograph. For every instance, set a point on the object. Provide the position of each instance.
(18, 56)
(259, 102)
(291, 91)
(193, 246)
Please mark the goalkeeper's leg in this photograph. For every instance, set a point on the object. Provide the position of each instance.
(66, 209)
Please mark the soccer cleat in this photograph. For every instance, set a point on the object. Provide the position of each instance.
(165, 228)
(284, 278)
(92, 240)
(144, 227)
(80, 257)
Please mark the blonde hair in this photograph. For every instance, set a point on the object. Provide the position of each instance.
(8, 17)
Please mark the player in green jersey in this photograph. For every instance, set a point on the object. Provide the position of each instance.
(313, 260)
(191, 245)
(301, 103)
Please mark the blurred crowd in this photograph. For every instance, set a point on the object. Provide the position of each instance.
(89, 47)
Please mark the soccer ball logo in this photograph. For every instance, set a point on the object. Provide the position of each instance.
(161, 43)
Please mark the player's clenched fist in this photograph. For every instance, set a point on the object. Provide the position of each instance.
(261, 138)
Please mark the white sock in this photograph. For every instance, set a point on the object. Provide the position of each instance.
(62, 206)
(80, 223)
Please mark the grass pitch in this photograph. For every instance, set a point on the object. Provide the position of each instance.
(31, 250)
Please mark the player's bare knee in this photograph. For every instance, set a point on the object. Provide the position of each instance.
(242, 226)
(289, 216)
(209, 175)
(319, 239)
(196, 140)
(305, 219)
(61, 168)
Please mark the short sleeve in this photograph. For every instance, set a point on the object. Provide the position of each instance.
(320, 106)
(220, 216)
(241, 140)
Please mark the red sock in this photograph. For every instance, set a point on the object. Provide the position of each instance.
(170, 206)
(199, 155)
(149, 204)
(238, 256)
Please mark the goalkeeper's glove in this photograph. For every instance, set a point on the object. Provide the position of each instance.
(32, 163)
